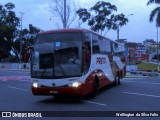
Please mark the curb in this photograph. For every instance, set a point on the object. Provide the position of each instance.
(136, 76)
(141, 76)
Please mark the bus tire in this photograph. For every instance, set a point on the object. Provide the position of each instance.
(95, 88)
(119, 80)
(115, 83)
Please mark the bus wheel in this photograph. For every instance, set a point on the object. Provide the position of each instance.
(119, 81)
(95, 88)
(115, 83)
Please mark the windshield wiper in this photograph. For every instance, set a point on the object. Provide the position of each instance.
(62, 70)
(43, 72)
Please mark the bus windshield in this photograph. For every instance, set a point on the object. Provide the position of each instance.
(57, 55)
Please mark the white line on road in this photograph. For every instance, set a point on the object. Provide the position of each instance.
(94, 102)
(131, 78)
(18, 80)
(15, 76)
(17, 88)
(142, 94)
(24, 81)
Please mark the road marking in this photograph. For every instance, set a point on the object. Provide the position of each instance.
(131, 78)
(16, 78)
(94, 103)
(143, 82)
(17, 88)
(142, 94)
(24, 81)
(17, 71)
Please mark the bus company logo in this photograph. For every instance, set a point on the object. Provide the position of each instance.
(6, 114)
(101, 60)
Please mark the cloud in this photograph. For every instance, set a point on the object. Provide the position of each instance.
(138, 28)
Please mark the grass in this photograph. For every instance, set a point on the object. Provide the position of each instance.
(147, 66)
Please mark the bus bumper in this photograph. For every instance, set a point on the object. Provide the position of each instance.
(58, 90)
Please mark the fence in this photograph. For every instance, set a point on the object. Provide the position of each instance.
(14, 65)
(27, 66)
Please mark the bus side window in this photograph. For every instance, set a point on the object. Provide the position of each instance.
(96, 49)
(87, 52)
(112, 51)
(87, 56)
(96, 43)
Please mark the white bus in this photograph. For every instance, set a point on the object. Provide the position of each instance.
(75, 62)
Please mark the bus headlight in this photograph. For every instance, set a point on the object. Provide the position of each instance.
(75, 84)
(35, 84)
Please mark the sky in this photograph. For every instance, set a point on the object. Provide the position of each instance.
(138, 28)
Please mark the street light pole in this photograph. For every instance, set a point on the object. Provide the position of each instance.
(118, 28)
(21, 38)
(157, 52)
(118, 33)
(65, 14)
(101, 22)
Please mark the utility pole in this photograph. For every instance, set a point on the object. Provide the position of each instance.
(21, 39)
(118, 28)
(65, 14)
(118, 33)
(157, 52)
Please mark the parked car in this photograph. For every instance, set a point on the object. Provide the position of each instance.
(150, 73)
(135, 72)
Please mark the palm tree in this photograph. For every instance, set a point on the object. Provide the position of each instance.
(155, 12)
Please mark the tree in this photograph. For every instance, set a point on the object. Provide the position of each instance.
(10, 35)
(156, 57)
(101, 17)
(8, 29)
(57, 9)
(155, 12)
(28, 38)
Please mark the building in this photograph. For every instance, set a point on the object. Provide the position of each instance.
(141, 52)
(137, 52)
(148, 42)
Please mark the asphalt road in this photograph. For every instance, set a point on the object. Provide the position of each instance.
(134, 94)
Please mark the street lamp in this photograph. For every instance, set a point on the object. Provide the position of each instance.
(157, 52)
(101, 21)
(118, 29)
(21, 38)
(65, 22)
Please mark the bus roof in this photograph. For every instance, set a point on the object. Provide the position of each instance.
(70, 30)
(63, 30)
